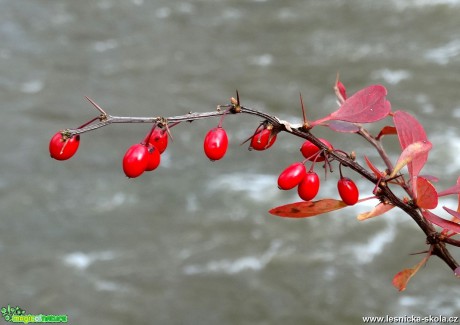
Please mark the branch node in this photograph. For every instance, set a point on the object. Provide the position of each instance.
(162, 121)
(433, 238)
(236, 105)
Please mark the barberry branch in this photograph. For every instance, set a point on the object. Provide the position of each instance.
(383, 191)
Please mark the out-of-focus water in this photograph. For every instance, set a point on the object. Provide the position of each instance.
(192, 243)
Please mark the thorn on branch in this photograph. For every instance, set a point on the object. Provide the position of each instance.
(236, 105)
(162, 122)
(418, 253)
(103, 113)
(305, 126)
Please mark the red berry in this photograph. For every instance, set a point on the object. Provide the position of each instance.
(309, 186)
(215, 143)
(154, 158)
(159, 139)
(291, 176)
(260, 141)
(309, 150)
(63, 149)
(135, 160)
(348, 191)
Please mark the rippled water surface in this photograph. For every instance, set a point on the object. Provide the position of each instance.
(193, 243)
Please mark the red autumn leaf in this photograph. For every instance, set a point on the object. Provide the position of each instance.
(410, 153)
(378, 210)
(401, 279)
(409, 131)
(386, 130)
(307, 209)
(366, 106)
(344, 127)
(445, 224)
(374, 169)
(451, 190)
(453, 213)
(431, 178)
(427, 197)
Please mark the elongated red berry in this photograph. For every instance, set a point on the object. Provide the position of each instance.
(348, 191)
(309, 186)
(154, 158)
(263, 139)
(292, 176)
(62, 148)
(135, 160)
(159, 139)
(310, 151)
(215, 143)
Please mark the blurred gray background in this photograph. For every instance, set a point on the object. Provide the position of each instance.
(192, 242)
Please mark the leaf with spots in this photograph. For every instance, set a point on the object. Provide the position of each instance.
(307, 209)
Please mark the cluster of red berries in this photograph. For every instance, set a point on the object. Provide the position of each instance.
(308, 182)
(296, 175)
(146, 156)
(140, 157)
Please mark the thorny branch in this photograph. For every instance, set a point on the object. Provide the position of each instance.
(384, 193)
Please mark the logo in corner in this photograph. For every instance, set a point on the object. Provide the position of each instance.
(18, 315)
(9, 312)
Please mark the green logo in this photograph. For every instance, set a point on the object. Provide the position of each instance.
(18, 315)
